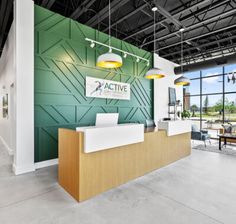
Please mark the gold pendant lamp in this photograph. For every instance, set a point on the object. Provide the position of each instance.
(154, 73)
(109, 59)
(182, 80)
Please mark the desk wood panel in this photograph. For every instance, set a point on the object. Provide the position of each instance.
(94, 173)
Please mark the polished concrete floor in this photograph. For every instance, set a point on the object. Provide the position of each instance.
(199, 189)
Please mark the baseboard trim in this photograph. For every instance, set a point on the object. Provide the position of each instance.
(46, 163)
(9, 150)
(23, 169)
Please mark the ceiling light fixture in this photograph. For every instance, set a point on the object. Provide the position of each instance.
(109, 60)
(154, 73)
(182, 80)
(92, 45)
(111, 49)
(154, 8)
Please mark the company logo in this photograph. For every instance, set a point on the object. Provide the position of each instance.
(114, 87)
(98, 88)
(108, 89)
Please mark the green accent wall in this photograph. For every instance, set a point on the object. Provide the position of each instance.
(62, 61)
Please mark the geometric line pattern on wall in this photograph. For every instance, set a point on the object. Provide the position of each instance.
(63, 59)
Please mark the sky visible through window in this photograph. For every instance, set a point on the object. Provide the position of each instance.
(212, 83)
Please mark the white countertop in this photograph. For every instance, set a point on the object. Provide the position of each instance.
(97, 138)
(175, 127)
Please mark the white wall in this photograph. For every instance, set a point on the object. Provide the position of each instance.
(24, 20)
(161, 94)
(17, 78)
(7, 79)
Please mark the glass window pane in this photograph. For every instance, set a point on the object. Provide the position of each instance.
(212, 113)
(192, 104)
(189, 101)
(194, 88)
(230, 82)
(230, 78)
(212, 71)
(230, 108)
(230, 68)
(212, 84)
(192, 75)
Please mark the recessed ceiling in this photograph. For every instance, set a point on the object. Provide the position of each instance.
(210, 25)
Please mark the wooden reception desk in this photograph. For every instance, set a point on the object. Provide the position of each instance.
(84, 175)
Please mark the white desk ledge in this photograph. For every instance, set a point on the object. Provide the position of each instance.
(175, 127)
(101, 138)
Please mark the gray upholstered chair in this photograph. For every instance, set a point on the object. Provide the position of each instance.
(200, 135)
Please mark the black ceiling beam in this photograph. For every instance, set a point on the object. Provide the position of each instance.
(47, 3)
(5, 12)
(82, 9)
(200, 36)
(196, 25)
(202, 45)
(217, 53)
(207, 8)
(103, 14)
(197, 12)
(176, 22)
(150, 26)
(3, 5)
(164, 24)
(127, 16)
(167, 15)
(197, 55)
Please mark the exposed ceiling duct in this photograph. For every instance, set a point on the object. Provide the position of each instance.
(210, 27)
(227, 60)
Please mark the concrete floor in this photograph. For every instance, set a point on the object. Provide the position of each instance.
(199, 189)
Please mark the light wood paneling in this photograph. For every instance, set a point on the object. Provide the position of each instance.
(69, 160)
(93, 173)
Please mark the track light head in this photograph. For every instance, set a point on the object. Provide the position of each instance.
(138, 59)
(182, 29)
(125, 55)
(154, 8)
(92, 45)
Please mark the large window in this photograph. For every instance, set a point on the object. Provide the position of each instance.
(211, 97)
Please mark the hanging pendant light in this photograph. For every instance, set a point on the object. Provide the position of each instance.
(182, 80)
(154, 73)
(109, 59)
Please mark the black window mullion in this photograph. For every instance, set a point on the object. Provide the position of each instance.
(223, 95)
(200, 100)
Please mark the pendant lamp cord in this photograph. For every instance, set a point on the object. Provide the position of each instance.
(109, 23)
(182, 53)
(154, 31)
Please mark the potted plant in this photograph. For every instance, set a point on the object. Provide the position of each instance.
(185, 114)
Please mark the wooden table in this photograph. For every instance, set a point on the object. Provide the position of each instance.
(213, 129)
(225, 137)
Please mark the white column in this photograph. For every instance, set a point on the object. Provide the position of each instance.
(161, 87)
(24, 58)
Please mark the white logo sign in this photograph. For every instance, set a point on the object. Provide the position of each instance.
(102, 88)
